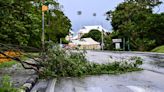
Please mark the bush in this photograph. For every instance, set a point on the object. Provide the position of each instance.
(61, 63)
(6, 85)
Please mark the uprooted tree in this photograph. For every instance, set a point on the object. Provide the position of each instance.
(57, 62)
(18, 49)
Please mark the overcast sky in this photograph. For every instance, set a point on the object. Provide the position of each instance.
(88, 7)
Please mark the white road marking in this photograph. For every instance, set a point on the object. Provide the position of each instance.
(94, 89)
(136, 89)
(89, 89)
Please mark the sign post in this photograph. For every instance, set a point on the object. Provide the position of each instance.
(117, 43)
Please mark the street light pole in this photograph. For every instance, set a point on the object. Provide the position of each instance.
(124, 43)
(102, 34)
(102, 40)
(43, 33)
(43, 30)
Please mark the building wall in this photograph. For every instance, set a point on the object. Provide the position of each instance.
(90, 47)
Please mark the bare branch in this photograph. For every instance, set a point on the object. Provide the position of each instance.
(33, 66)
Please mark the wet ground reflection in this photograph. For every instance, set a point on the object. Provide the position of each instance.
(145, 80)
(149, 80)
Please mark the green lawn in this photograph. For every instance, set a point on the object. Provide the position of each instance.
(11, 63)
(159, 49)
(7, 64)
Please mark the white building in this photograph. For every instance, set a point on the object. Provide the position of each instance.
(86, 43)
(87, 29)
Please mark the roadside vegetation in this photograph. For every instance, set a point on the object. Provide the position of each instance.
(94, 34)
(159, 49)
(7, 64)
(138, 24)
(6, 85)
(21, 22)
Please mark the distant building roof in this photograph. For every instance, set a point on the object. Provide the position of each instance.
(87, 29)
(85, 41)
(75, 37)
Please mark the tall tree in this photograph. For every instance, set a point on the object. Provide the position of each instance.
(94, 34)
(58, 27)
(130, 21)
(21, 22)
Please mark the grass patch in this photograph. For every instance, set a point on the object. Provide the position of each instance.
(33, 54)
(159, 49)
(6, 85)
(4, 64)
(27, 56)
(7, 64)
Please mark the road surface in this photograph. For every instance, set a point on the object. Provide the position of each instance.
(149, 80)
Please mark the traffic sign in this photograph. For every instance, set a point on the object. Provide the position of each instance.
(116, 40)
(44, 8)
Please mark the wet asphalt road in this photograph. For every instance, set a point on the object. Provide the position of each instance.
(151, 79)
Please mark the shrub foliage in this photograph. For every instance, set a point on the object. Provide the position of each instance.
(61, 63)
(6, 85)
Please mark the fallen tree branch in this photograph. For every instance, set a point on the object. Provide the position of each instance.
(33, 66)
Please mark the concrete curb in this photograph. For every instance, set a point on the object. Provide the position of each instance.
(27, 86)
(51, 85)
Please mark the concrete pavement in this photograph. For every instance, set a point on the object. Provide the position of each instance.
(148, 80)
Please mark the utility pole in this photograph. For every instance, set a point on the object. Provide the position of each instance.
(60, 41)
(124, 43)
(43, 39)
(44, 8)
(128, 44)
(102, 40)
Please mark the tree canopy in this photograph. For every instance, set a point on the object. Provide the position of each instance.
(21, 22)
(136, 21)
(58, 26)
(94, 34)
